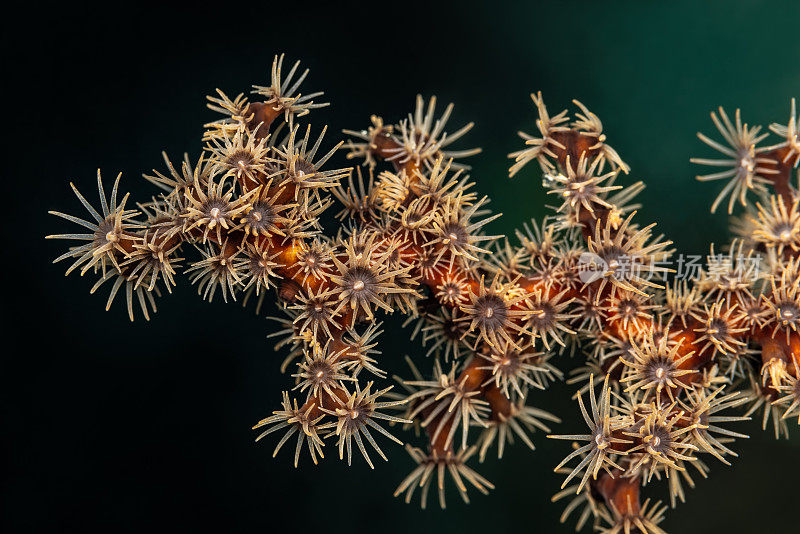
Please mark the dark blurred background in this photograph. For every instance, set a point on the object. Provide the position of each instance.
(116, 426)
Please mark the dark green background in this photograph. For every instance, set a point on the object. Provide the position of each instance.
(116, 426)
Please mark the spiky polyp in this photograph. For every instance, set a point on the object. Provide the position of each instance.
(588, 279)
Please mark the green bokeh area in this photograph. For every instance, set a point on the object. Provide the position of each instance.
(122, 426)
